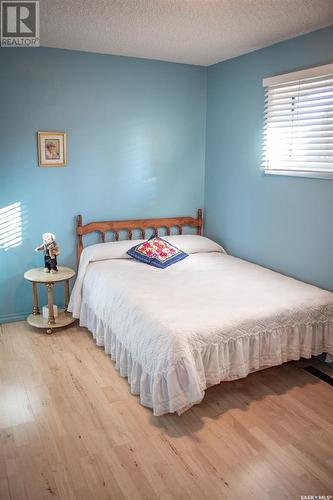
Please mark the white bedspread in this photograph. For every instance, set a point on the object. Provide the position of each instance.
(208, 318)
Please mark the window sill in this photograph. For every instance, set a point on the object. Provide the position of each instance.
(301, 173)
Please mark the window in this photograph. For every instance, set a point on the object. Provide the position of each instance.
(298, 131)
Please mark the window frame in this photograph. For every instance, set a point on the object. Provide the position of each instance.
(292, 77)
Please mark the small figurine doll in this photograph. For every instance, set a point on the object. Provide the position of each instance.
(50, 249)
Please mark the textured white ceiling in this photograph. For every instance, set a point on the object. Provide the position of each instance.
(186, 31)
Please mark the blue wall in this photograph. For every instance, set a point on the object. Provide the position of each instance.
(285, 223)
(136, 146)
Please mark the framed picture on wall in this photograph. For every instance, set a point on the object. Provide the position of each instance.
(51, 149)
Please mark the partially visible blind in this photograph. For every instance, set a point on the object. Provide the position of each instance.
(298, 131)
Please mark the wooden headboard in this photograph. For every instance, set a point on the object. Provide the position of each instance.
(135, 224)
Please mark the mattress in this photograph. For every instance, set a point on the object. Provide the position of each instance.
(211, 317)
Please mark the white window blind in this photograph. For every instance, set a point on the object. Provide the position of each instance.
(298, 130)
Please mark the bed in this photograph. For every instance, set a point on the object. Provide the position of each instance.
(208, 318)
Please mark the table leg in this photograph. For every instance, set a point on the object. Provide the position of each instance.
(51, 319)
(35, 309)
(66, 284)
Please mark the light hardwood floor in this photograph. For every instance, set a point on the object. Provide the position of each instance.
(70, 429)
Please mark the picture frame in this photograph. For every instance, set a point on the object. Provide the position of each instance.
(52, 149)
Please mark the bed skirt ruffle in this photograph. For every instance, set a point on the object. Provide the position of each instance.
(184, 383)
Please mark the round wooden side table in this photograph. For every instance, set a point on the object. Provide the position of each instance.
(38, 275)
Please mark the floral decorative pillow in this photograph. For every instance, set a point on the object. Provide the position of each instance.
(157, 252)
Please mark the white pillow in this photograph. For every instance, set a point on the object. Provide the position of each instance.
(193, 243)
(109, 250)
(189, 243)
